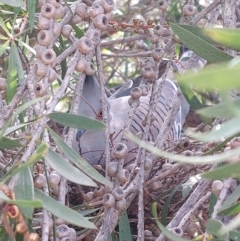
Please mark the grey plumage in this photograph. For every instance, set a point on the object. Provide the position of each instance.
(91, 144)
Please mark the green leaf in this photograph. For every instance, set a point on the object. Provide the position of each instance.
(214, 227)
(199, 46)
(224, 36)
(63, 212)
(19, 110)
(24, 189)
(3, 47)
(213, 201)
(226, 171)
(77, 121)
(31, 12)
(232, 210)
(12, 75)
(232, 198)
(13, 3)
(212, 78)
(77, 160)
(219, 132)
(35, 157)
(234, 235)
(7, 143)
(217, 158)
(18, 62)
(222, 110)
(22, 203)
(4, 27)
(124, 227)
(165, 231)
(67, 170)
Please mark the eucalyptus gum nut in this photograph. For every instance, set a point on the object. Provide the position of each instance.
(162, 5)
(100, 22)
(45, 37)
(148, 233)
(39, 181)
(81, 65)
(120, 150)
(178, 231)
(123, 175)
(109, 200)
(55, 3)
(43, 23)
(62, 231)
(48, 56)
(184, 144)
(48, 10)
(148, 72)
(41, 2)
(167, 166)
(57, 28)
(95, 10)
(157, 53)
(90, 70)
(112, 169)
(66, 30)
(188, 10)
(52, 75)
(40, 89)
(121, 205)
(3, 84)
(54, 179)
(82, 10)
(148, 164)
(21, 228)
(59, 14)
(136, 92)
(217, 187)
(85, 45)
(108, 5)
(158, 29)
(76, 19)
(39, 49)
(88, 196)
(131, 101)
(99, 192)
(94, 35)
(188, 153)
(154, 38)
(148, 62)
(72, 234)
(118, 193)
(40, 69)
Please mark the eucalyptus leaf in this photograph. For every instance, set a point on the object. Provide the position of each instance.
(78, 160)
(3, 47)
(77, 121)
(13, 3)
(124, 227)
(7, 143)
(224, 36)
(199, 46)
(67, 170)
(63, 212)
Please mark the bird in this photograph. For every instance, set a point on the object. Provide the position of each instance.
(91, 144)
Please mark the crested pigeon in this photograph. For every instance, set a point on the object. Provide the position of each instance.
(91, 144)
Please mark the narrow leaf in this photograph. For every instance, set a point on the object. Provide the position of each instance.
(77, 121)
(12, 76)
(227, 37)
(24, 189)
(31, 12)
(63, 212)
(217, 158)
(18, 62)
(78, 160)
(13, 3)
(35, 157)
(67, 170)
(232, 198)
(3, 47)
(214, 227)
(124, 227)
(4, 27)
(7, 143)
(199, 46)
(232, 210)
